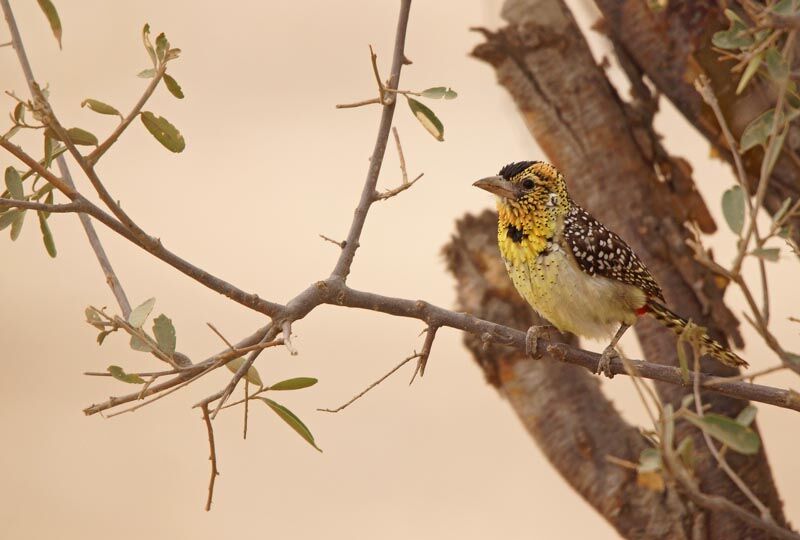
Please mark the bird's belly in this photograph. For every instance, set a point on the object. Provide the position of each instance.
(572, 300)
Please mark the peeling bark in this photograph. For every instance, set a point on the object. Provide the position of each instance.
(577, 118)
(673, 47)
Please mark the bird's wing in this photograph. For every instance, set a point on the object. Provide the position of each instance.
(601, 252)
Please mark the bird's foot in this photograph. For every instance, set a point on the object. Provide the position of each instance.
(532, 339)
(604, 366)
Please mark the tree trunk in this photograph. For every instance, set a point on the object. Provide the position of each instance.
(609, 153)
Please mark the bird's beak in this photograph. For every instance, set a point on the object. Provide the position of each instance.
(497, 185)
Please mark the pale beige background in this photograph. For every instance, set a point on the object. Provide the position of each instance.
(269, 164)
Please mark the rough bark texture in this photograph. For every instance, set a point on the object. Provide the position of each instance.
(542, 59)
(560, 405)
(673, 47)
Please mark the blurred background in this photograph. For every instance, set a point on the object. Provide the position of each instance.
(269, 165)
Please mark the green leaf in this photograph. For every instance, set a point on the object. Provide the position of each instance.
(146, 74)
(749, 71)
(728, 431)
(93, 318)
(173, 86)
(776, 65)
(733, 208)
(52, 17)
(14, 184)
(16, 225)
(164, 332)
(439, 92)
(747, 415)
(101, 337)
(77, 136)
(139, 315)
(148, 45)
(119, 374)
(757, 131)
(19, 112)
(784, 7)
(294, 384)
(427, 118)
(100, 107)
(773, 151)
(794, 358)
(162, 44)
(163, 131)
(47, 235)
(138, 344)
(735, 37)
(251, 376)
(290, 418)
(768, 254)
(7, 218)
(649, 460)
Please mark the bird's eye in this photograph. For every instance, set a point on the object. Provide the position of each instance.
(528, 184)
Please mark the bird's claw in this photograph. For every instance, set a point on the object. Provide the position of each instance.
(532, 340)
(604, 365)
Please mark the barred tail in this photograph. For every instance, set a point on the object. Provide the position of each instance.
(708, 346)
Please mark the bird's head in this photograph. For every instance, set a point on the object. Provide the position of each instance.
(527, 186)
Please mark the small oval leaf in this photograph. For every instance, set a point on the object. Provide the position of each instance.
(251, 376)
(52, 17)
(733, 208)
(294, 384)
(119, 374)
(427, 118)
(290, 418)
(140, 313)
(173, 86)
(100, 107)
(728, 431)
(14, 184)
(757, 131)
(146, 74)
(749, 71)
(747, 415)
(16, 225)
(768, 254)
(47, 235)
(163, 131)
(164, 332)
(8, 217)
(138, 344)
(148, 45)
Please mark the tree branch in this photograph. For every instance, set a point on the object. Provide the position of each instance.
(342, 268)
(102, 258)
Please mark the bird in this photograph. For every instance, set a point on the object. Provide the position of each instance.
(575, 272)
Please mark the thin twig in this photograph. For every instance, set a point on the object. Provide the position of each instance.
(735, 478)
(373, 385)
(345, 261)
(103, 147)
(372, 101)
(430, 335)
(715, 503)
(219, 334)
(212, 457)
(751, 376)
(72, 207)
(246, 407)
(388, 194)
(374, 61)
(341, 244)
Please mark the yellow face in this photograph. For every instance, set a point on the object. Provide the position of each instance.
(528, 191)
